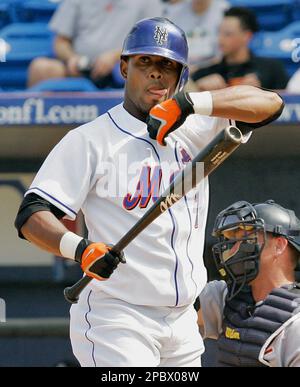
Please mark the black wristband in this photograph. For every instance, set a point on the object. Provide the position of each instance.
(185, 103)
(80, 249)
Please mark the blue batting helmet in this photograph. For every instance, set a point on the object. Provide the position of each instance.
(159, 36)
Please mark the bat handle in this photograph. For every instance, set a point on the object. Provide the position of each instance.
(72, 293)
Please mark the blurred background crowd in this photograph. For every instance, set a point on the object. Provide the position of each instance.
(73, 45)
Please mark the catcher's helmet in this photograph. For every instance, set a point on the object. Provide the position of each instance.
(237, 258)
(280, 221)
(159, 36)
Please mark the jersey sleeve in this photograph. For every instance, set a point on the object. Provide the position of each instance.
(283, 350)
(66, 175)
(64, 20)
(212, 300)
(292, 344)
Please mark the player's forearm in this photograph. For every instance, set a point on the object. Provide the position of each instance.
(245, 103)
(45, 231)
(250, 105)
(200, 322)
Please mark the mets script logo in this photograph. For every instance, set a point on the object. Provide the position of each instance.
(149, 184)
(148, 188)
(160, 35)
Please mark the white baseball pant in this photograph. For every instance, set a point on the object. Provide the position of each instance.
(108, 332)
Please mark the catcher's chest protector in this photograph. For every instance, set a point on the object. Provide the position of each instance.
(247, 327)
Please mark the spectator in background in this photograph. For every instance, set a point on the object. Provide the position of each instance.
(294, 83)
(239, 65)
(169, 6)
(89, 36)
(200, 19)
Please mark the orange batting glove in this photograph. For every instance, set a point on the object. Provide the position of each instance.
(168, 116)
(97, 261)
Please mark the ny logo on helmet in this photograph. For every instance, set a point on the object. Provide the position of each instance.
(160, 35)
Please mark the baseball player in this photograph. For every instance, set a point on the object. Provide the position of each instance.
(255, 313)
(143, 314)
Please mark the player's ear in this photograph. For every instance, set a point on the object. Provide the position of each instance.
(124, 67)
(280, 245)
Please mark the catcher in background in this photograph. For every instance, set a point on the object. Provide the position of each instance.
(255, 312)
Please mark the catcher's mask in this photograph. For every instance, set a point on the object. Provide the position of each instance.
(241, 231)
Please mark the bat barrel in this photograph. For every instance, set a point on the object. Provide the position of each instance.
(235, 134)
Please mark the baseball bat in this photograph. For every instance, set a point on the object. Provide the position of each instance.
(214, 154)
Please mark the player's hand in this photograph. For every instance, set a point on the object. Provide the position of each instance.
(98, 262)
(104, 64)
(72, 66)
(251, 80)
(168, 116)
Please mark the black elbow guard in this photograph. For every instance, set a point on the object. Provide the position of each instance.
(33, 203)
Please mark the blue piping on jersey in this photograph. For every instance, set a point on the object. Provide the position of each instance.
(53, 198)
(176, 263)
(89, 328)
(191, 224)
(170, 212)
(132, 135)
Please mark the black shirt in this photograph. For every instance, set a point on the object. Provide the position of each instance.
(270, 72)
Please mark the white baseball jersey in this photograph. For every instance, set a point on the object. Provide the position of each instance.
(114, 172)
